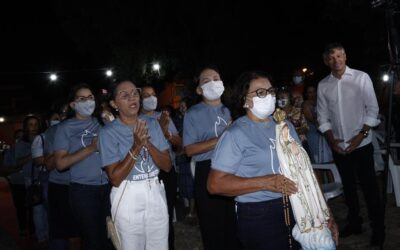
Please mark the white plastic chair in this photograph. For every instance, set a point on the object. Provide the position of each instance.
(332, 189)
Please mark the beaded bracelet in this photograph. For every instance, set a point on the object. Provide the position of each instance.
(135, 157)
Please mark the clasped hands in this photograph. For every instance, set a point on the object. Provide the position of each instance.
(141, 134)
(353, 144)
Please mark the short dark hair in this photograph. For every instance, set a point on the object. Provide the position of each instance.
(25, 125)
(112, 88)
(203, 68)
(241, 88)
(330, 47)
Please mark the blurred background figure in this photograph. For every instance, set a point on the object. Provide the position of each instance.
(319, 148)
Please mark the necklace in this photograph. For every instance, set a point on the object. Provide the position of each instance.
(145, 159)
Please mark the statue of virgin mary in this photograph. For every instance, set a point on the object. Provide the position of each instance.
(310, 210)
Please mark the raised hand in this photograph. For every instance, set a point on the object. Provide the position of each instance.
(140, 134)
(164, 121)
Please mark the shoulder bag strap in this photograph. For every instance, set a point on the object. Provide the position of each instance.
(119, 201)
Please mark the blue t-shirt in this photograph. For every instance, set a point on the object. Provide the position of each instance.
(10, 162)
(116, 139)
(171, 128)
(74, 134)
(56, 176)
(247, 149)
(22, 149)
(203, 122)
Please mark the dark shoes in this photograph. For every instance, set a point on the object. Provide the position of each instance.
(349, 230)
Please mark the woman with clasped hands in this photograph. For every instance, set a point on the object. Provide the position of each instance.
(132, 150)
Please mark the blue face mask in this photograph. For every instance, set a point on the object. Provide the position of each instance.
(150, 103)
(297, 79)
(85, 108)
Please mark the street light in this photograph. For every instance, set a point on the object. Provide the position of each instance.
(2, 119)
(53, 77)
(385, 77)
(156, 67)
(109, 73)
(304, 70)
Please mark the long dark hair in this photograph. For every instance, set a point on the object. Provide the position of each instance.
(241, 89)
(72, 94)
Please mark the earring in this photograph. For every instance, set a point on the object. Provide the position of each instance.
(246, 105)
(116, 109)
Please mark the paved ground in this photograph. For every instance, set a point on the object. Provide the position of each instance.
(188, 235)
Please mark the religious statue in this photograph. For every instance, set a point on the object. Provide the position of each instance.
(310, 210)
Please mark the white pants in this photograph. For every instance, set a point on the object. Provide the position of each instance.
(142, 216)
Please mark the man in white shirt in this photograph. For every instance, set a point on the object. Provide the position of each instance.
(347, 108)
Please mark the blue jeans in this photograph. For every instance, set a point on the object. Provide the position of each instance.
(90, 206)
(261, 225)
(41, 223)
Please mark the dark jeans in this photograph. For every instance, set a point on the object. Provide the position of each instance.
(360, 163)
(216, 213)
(24, 213)
(261, 226)
(90, 206)
(170, 184)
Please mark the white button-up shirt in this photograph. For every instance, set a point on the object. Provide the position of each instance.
(345, 105)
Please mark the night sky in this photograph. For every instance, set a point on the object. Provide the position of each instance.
(83, 38)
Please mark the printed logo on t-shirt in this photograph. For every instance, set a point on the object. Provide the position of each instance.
(144, 167)
(272, 148)
(86, 137)
(220, 122)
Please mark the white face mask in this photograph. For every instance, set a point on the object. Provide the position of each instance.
(85, 108)
(283, 102)
(263, 107)
(54, 122)
(297, 79)
(213, 90)
(150, 103)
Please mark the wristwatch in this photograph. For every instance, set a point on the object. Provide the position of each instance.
(364, 133)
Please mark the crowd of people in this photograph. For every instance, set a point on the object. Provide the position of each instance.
(130, 161)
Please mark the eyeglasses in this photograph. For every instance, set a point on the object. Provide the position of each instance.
(262, 93)
(84, 98)
(135, 93)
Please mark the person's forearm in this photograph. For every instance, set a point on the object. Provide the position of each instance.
(121, 170)
(201, 147)
(366, 127)
(49, 162)
(68, 160)
(231, 185)
(329, 136)
(161, 159)
(23, 160)
(175, 140)
(38, 161)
